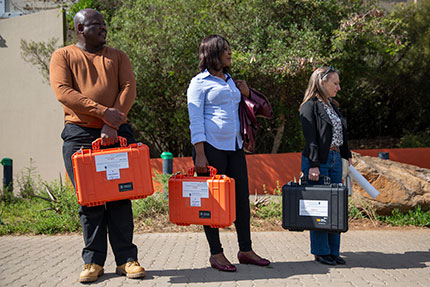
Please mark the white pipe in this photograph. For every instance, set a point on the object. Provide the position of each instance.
(363, 182)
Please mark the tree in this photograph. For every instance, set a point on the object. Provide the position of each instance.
(383, 58)
(385, 62)
(275, 44)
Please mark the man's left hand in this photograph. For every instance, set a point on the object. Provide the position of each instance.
(108, 135)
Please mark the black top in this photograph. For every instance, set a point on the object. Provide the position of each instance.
(318, 132)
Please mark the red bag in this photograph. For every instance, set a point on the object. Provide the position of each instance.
(257, 105)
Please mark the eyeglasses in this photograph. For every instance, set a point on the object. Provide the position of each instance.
(95, 24)
(329, 70)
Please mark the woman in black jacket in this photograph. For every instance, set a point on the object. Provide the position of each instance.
(324, 130)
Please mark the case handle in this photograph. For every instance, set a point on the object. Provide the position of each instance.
(304, 180)
(212, 171)
(96, 144)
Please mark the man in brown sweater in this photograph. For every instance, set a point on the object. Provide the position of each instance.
(97, 88)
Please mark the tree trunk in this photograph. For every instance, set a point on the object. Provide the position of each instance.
(279, 133)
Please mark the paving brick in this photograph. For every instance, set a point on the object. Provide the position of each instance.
(374, 258)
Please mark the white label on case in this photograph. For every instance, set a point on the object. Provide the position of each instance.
(195, 189)
(313, 207)
(111, 161)
(195, 201)
(112, 173)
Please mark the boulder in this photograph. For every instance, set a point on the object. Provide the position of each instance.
(400, 185)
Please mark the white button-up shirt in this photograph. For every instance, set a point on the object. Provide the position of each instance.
(213, 108)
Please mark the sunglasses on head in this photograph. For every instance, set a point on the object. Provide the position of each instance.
(329, 70)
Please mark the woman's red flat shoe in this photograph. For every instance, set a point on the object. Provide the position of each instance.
(243, 259)
(221, 267)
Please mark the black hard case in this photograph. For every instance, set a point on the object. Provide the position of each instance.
(332, 197)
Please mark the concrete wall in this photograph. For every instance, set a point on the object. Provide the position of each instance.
(31, 119)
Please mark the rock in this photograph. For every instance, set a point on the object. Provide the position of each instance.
(400, 185)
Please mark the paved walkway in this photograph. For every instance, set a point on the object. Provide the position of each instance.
(374, 258)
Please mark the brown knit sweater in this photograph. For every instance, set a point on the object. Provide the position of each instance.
(87, 84)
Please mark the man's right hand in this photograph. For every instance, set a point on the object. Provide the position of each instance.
(113, 117)
(108, 135)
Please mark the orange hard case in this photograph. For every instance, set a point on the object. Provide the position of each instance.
(202, 200)
(112, 174)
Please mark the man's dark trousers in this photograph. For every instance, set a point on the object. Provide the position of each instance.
(114, 218)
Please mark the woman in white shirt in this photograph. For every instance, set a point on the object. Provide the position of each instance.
(213, 106)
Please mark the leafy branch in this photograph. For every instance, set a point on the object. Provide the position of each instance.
(39, 54)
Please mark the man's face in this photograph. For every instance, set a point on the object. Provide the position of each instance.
(94, 30)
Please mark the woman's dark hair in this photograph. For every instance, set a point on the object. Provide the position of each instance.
(211, 49)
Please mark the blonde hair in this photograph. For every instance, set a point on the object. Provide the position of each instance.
(315, 87)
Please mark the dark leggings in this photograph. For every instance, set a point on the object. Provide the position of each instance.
(232, 164)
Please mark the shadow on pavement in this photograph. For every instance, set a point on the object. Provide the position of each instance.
(244, 272)
(108, 276)
(282, 270)
(412, 259)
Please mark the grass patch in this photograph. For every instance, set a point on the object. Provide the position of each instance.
(52, 208)
(152, 206)
(415, 217)
(42, 208)
(268, 206)
(39, 214)
(354, 212)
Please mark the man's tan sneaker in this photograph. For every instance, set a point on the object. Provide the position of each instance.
(131, 269)
(91, 273)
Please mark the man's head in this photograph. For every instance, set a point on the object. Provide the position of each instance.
(90, 29)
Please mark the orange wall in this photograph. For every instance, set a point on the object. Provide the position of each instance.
(414, 156)
(268, 169)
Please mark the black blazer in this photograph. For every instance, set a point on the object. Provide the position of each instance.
(318, 132)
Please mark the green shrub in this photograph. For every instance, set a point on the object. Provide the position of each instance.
(28, 181)
(275, 46)
(152, 206)
(163, 180)
(156, 204)
(383, 58)
(6, 193)
(272, 209)
(416, 217)
(269, 206)
(354, 212)
(420, 139)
